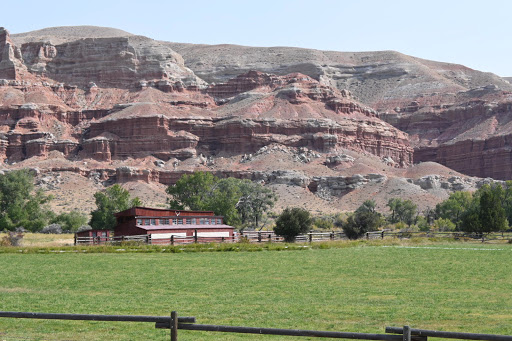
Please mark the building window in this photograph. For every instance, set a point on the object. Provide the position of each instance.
(164, 221)
(180, 221)
(175, 221)
(139, 221)
(219, 221)
(153, 221)
(201, 221)
(207, 221)
(146, 221)
(194, 221)
(189, 221)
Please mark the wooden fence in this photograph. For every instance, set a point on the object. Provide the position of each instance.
(175, 322)
(270, 236)
(250, 236)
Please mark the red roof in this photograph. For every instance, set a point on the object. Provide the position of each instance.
(139, 211)
(181, 227)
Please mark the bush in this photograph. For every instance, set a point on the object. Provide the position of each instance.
(70, 221)
(11, 239)
(443, 225)
(323, 223)
(364, 219)
(292, 222)
(52, 229)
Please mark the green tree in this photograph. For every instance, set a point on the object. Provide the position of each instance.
(20, 204)
(240, 202)
(70, 221)
(192, 191)
(254, 202)
(223, 198)
(492, 213)
(324, 222)
(112, 200)
(292, 222)
(454, 207)
(364, 219)
(444, 225)
(487, 210)
(402, 211)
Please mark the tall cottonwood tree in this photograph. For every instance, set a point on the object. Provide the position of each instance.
(241, 202)
(20, 204)
(112, 200)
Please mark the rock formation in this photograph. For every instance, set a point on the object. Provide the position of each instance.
(110, 107)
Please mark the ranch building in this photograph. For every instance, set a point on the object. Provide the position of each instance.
(161, 226)
(92, 236)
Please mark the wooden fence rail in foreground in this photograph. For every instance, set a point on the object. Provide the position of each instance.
(449, 335)
(174, 323)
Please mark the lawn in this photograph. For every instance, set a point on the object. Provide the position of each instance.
(455, 287)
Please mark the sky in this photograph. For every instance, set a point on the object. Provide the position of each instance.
(477, 34)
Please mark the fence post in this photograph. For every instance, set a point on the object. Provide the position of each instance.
(174, 326)
(195, 236)
(331, 236)
(407, 333)
(172, 239)
(270, 238)
(382, 234)
(310, 237)
(259, 237)
(367, 235)
(75, 240)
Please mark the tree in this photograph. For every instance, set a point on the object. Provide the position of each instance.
(223, 198)
(402, 211)
(492, 213)
(487, 210)
(70, 221)
(191, 191)
(364, 219)
(20, 205)
(454, 207)
(112, 200)
(255, 200)
(240, 202)
(292, 222)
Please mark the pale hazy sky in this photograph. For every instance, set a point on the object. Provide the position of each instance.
(474, 33)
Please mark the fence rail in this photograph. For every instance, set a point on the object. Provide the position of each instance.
(270, 236)
(175, 322)
(450, 335)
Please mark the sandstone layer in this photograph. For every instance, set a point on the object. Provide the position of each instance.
(325, 129)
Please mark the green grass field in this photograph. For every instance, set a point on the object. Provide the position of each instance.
(454, 287)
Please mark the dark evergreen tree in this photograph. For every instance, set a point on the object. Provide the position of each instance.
(292, 222)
